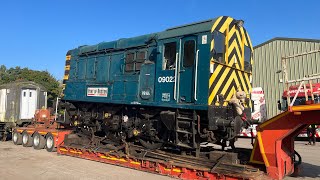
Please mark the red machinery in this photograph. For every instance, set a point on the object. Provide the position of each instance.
(302, 92)
(274, 146)
(44, 132)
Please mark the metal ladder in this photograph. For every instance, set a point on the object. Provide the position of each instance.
(186, 127)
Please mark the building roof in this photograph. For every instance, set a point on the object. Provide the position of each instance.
(22, 84)
(287, 39)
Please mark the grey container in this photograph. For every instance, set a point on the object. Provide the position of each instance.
(18, 102)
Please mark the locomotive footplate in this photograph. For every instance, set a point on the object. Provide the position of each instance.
(210, 165)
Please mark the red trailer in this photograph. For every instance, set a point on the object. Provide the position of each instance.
(43, 132)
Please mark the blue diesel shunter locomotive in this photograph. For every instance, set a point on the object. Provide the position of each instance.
(179, 87)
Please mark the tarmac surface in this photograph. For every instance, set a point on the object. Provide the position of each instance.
(17, 162)
(310, 159)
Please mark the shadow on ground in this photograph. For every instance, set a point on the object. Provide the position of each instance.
(310, 170)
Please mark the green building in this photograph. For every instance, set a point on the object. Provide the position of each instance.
(267, 64)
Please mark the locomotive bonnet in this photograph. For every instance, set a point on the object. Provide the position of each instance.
(180, 87)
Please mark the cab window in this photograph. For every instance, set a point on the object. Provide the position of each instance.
(247, 58)
(219, 46)
(189, 53)
(169, 57)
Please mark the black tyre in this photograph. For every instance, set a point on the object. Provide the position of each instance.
(27, 139)
(3, 136)
(50, 145)
(39, 141)
(16, 138)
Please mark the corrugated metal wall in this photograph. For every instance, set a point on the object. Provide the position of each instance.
(267, 61)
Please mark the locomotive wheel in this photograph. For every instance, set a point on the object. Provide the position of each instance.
(16, 138)
(27, 140)
(50, 145)
(38, 141)
(150, 144)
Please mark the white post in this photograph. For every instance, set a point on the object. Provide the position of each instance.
(56, 111)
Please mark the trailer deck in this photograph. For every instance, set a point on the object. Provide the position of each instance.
(221, 166)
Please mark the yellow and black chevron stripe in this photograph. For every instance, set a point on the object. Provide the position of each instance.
(229, 76)
(66, 70)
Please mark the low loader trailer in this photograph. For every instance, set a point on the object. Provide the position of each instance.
(272, 157)
(43, 132)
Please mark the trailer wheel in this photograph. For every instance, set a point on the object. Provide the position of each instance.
(38, 141)
(27, 140)
(50, 145)
(16, 138)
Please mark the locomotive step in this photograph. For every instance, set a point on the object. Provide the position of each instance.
(184, 118)
(184, 145)
(183, 131)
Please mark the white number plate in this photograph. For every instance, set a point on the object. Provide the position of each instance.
(97, 92)
(166, 79)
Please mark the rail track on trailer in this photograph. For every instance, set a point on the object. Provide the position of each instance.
(210, 165)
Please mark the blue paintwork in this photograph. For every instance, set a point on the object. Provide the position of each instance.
(102, 65)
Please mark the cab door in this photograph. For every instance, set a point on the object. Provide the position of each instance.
(187, 69)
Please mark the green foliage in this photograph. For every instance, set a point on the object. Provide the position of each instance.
(43, 78)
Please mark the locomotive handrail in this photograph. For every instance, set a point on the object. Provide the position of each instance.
(175, 78)
(196, 76)
(178, 69)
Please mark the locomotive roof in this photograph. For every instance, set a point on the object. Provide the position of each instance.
(193, 28)
(126, 43)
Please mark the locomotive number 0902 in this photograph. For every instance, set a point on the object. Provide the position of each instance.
(166, 79)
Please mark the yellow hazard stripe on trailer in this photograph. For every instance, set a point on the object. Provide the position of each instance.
(178, 170)
(135, 162)
(63, 149)
(113, 158)
(75, 152)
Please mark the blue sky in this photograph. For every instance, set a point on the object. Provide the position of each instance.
(37, 34)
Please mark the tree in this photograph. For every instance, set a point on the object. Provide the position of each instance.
(43, 78)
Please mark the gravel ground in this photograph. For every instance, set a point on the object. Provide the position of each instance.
(17, 162)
